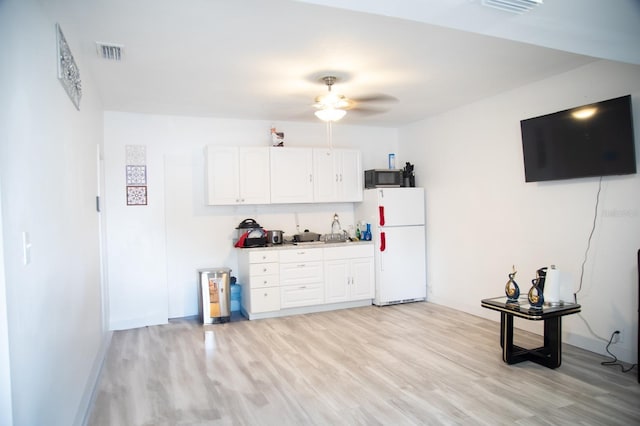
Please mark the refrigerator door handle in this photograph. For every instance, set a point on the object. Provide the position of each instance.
(381, 215)
(383, 241)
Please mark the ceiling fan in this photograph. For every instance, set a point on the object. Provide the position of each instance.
(333, 106)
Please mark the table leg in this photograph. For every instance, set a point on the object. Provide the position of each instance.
(506, 337)
(553, 341)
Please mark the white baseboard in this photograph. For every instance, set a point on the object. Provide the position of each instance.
(127, 324)
(89, 394)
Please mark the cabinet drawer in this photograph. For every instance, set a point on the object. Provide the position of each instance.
(301, 273)
(264, 281)
(350, 252)
(263, 256)
(257, 269)
(265, 300)
(302, 295)
(301, 255)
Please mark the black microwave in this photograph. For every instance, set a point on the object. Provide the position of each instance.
(382, 178)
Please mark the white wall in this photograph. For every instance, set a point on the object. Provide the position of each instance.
(6, 412)
(482, 217)
(48, 177)
(155, 250)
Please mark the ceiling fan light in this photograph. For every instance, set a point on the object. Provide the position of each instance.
(331, 100)
(330, 114)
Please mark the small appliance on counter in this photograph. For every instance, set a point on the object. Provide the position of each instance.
(250, 234)
(275, 237)
(306, 237)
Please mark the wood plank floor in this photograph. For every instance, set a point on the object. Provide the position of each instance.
(409, 364)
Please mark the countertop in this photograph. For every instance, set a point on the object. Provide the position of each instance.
(312, 244)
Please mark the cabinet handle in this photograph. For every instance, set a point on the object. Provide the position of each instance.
(266, 294)
(300, 252)
(310, 178)
(301, 265)
(264, 269)
(336, 177)
(340, 177)
(264, 282)
(303, 286)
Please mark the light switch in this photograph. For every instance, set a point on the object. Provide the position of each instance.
(26, 248)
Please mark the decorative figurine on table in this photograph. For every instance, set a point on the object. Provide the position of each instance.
(511, 289)
(536, 293)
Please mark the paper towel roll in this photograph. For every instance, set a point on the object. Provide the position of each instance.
(558, 287)
(552, 285)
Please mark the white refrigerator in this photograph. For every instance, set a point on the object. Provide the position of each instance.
(397, 223)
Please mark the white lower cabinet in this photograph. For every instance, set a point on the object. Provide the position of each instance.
(264, 300)
(290, 280)
(301, 278)
(260, 284)
(349, 273)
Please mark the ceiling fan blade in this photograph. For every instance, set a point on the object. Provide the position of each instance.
(378, 97)
(368, 110)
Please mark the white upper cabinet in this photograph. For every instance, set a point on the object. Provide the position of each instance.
(280, 175)
(237, 175)
(351, 184)
(337, 175)
(325, 185)
(291, 175)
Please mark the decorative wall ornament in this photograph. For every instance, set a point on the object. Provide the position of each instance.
(136, 175)
(68, 71)
(136, 195)
(136, 155)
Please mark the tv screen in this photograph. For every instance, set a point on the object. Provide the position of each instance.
(590, 140)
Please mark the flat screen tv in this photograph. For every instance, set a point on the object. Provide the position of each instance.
(590, 140)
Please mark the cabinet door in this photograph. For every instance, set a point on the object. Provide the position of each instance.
(222, 175)
(350, 176)
(362, 279)
(253, 175)
(264, 300)
(325, 175)
(291, 175)
(336, 281)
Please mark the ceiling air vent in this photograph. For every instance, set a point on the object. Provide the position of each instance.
(109, 51)
(514, 6)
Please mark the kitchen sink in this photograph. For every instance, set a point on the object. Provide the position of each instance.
(308, 243)
(334, 238)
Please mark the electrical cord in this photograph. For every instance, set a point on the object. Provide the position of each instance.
(615, 359)
(586, 252)
(593, 333)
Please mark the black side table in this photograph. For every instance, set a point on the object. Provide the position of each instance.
(549, 355)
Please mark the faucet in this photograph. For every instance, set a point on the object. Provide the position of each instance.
(335, 225)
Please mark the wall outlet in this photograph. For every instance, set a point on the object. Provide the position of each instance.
(618, 338)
